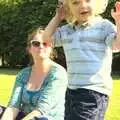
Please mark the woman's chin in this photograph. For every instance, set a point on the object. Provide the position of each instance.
(43, 57)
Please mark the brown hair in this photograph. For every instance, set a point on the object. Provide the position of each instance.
(32, 33)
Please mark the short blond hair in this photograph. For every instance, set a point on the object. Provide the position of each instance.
(100, 6)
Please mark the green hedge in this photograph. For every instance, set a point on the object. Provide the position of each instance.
(18, 17)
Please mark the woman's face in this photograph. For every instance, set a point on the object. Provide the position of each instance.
(38, 48)
(81, 10)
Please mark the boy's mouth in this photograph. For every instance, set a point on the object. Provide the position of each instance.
(85, 12)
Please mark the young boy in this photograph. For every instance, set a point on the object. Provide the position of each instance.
(88, 41)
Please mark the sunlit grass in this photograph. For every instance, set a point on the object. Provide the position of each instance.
(7, 78)
(113, 112)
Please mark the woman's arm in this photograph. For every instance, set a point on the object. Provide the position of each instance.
(10, 113)
(15, 101)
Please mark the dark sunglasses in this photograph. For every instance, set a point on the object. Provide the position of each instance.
(37, 44)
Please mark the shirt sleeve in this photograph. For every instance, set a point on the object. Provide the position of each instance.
(110, 33)
(54, 92)
(15, 100)
(57, 38)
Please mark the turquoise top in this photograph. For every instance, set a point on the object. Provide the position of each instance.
(49, 99)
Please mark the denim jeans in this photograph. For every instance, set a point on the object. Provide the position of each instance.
(41, 118)
(84, 104)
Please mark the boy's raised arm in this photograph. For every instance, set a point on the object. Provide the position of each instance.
(53, 24)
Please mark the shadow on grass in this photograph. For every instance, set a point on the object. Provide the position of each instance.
(6, 71)
(116, 76)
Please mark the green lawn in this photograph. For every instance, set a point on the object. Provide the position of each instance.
(7, 78)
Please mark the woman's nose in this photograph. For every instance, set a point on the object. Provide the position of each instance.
(41, 45)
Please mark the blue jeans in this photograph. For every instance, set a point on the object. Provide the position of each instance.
(84, 104)
(41, 118)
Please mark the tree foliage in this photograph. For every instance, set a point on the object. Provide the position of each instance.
(17, 18)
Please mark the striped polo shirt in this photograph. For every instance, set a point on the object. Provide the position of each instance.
(88, 51)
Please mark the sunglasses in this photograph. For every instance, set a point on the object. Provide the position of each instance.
(38, 44)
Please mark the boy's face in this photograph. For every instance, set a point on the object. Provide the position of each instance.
(82, 10)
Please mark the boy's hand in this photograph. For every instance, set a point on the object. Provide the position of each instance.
(60, 11)
(117, 6)
(116, 14)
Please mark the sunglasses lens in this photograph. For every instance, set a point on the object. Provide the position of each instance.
(36, 43)
(45, 44)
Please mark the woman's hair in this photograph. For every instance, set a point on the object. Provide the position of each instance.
(31, 35)
(100, 6)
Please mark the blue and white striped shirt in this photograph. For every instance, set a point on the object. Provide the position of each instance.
(88, 51)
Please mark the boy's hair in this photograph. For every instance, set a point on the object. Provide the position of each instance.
(100, 6)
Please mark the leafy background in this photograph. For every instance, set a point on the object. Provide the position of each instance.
(18, 17)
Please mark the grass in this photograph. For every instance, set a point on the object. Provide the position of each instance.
(113, 112)
(7, 78)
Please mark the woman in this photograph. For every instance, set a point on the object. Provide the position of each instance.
(39, 89)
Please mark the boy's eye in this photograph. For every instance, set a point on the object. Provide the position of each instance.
(87, 0)
(75, 2)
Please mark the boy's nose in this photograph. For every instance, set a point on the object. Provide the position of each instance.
(83, 4)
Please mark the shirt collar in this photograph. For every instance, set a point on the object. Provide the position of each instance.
(92, 21)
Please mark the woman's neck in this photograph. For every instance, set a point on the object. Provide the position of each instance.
(43, 65)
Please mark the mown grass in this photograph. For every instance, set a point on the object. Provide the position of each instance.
(113, 112)
(7, 78)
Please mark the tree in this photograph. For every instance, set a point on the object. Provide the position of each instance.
(18, 17)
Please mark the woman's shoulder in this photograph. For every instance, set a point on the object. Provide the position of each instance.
(23, 74)
(25, 70)
(58, 71)
(58, 67)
